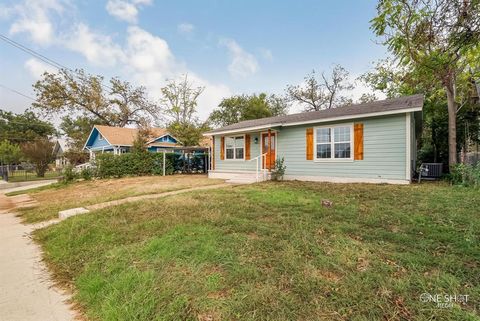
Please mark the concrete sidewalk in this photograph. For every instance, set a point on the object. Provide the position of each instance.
(26, 293)
(14, 187)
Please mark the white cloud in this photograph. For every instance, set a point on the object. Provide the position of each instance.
(185, 28)
(148, 53)
(243, 63)
(33, 17)
(211, 96)
(125, 10)
(122, 10)
(36, 68)
(266, 54)
(141, 57)
(143, 2)
(97, 48)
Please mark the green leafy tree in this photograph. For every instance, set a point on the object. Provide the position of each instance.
(440, 40)
(77, 129)
(324, 93)
(179, 103)
(179, 100)
(245, 107)
(39, 153)
(9, 153)
(118, 104)
(189, 134)
(21, 128)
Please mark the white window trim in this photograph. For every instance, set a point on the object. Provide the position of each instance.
(332, 143)
(234, 149)
(100, 136)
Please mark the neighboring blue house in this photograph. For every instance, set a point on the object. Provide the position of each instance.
(372, 142)
(119, 140)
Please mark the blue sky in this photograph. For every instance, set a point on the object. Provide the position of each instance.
(228, 47)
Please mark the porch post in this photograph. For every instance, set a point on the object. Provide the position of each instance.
(269, 149)
(164, 162)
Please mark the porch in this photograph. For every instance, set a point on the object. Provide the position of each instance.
(243, 157)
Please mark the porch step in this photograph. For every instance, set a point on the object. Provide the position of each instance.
(244, 179)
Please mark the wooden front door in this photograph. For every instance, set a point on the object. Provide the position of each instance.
(269, 160)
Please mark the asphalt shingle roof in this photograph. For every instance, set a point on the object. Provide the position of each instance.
(395, 104)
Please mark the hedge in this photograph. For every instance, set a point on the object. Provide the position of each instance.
(133, 164)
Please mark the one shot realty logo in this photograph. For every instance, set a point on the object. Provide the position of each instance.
(444, 301)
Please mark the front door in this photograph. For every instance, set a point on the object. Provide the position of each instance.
(269, 160)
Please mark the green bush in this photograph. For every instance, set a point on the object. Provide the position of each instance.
(133, 164)
(279, 170)
(68, 174)
(87, 173)
(465, 174)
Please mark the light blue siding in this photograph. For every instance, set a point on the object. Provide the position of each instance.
(384, 151)
(238, 165)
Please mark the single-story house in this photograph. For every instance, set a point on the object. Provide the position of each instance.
(370, 142)
(119, 140)
(59, 150)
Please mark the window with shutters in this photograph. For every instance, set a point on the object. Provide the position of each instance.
(333, 142)
(235, 147)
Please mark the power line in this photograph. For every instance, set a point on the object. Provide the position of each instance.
(45, 59)
(18, 93)
(32, 52)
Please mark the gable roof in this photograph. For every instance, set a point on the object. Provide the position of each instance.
(124, 136)
(376, 108)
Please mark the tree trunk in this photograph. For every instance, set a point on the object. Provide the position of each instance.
(452, 124)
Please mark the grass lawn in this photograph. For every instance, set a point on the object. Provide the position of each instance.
(271, 251)
(57, 197)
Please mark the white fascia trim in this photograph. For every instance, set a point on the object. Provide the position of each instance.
(241, 130)
(348, 117)
(408, 128)
(94, 127)
(166, 134)
(332, 179)
(314, 121)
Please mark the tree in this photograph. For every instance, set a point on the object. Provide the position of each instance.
(140, 143)
(189, 134)
(321, 94)
(179, 101)
(78, 93)
(21, 128)
(399, 80)
(9, 153)
(39, 153)
(77, 129)
(245, 107)
(439, 39)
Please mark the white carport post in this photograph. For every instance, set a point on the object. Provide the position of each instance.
(164, 162)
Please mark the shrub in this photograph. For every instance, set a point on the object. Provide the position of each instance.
(133, 164)
(87, 173)
(68, 174)
(279, 170)
(465, 174)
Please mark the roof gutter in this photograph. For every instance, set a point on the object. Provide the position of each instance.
(314, 121)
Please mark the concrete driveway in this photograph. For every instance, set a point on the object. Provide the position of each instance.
(26, 293)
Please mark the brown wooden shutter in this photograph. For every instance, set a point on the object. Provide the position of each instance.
(358, 141)
(247, 147)
(222, 148)
(309, 143)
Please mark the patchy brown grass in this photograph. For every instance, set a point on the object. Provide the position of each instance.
(84, 193)
(271, 251)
